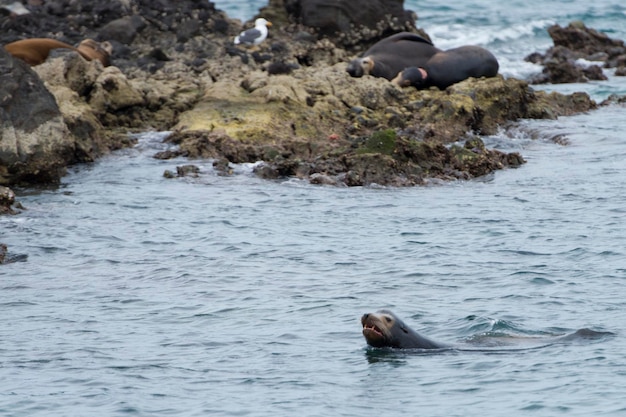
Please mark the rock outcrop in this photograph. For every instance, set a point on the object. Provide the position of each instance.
(350, 22)
(369, 133)
(289, 103)
(562, 62)
(35, 143)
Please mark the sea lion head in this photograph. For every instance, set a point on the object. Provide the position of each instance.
(380, 329)
(385, 329)
(411, 76)
(92, 50)
(360, 66)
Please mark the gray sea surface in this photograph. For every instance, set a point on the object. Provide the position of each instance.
(236, 296)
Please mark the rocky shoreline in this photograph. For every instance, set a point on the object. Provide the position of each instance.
(288, 103)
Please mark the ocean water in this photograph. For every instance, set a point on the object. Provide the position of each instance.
(235, 296)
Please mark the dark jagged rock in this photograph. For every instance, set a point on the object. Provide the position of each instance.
(187, 171)
(574, 43)
(341, 18)
(122, 30)
(35, 143)
(587, 43)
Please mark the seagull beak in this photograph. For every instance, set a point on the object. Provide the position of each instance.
(268, 24)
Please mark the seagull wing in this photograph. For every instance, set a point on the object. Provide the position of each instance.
(249, 36)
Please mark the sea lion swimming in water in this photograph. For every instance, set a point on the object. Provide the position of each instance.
(449, 67)
(35, 51)
(384, 329)
(389, 56)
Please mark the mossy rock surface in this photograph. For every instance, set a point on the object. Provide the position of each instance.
(382, 141)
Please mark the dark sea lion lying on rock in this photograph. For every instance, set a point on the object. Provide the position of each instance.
(389, 56)
(35, 51)
(384, 329)
(449, 67)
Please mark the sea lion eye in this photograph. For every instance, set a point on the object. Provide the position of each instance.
(388, 319)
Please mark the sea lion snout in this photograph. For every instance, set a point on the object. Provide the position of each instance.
(364, 319)
(375, 330)
(355, 68)
(360, 67)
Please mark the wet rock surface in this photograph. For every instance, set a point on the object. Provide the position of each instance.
(28, 112)
(288, 102)
(578, 55)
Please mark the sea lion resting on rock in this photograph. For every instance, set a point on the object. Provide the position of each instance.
(449, 67)
(389, 56)
(35, 51)
(385, 329)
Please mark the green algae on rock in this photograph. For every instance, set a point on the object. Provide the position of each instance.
(383, 141)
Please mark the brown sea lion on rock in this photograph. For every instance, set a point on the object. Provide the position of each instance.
(389, 56)
(450, 67)
(35, 51)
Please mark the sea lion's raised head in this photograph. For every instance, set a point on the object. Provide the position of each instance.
(385, 329)
(379, 328)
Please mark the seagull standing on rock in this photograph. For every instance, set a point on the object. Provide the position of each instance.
(254, 36)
